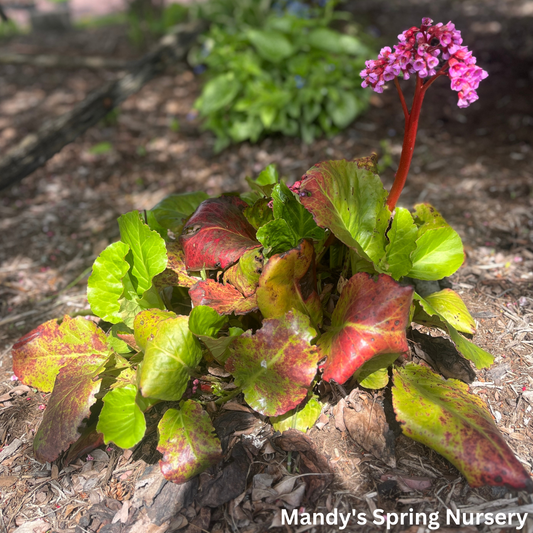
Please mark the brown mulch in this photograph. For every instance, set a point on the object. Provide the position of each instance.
(474, 165)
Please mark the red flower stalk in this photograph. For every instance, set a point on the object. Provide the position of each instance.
(429, 52)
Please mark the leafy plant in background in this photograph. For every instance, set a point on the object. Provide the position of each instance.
(281, 287)
(286, 72)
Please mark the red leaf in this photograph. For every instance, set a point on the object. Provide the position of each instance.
(224, 299)
(217, 235)
(370, 319)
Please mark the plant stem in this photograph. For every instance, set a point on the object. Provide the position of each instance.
(409, 138)
(229, 396)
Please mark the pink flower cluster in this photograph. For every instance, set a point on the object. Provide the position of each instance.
(428, 51)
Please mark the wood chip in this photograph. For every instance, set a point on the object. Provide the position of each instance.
(10, 449)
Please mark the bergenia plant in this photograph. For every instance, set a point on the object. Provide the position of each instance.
(259, 297)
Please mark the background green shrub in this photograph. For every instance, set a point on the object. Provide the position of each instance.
(278, 68)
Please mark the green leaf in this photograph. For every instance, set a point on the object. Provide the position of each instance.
(117, 343)
(187, 442)
(204, 320)
(146, 323)
(325, 39)
(455, 423)
(402, 236)
(374, 373)
(276, 365)
(218, 93)
(147, 248)
(349, 199)
(268, 176)
(271, 45)
(344, 110)
(205, 323)
(477, 355)
(169, 359)
(300, 221)
(439, 253)
(40, 354)
(300, 419)
(276, 237)
(121, 420)
(105, 285)
(173, 211)
(288, 282)
(259, 214)
(266, 180)
(449, 305)
(69, 405)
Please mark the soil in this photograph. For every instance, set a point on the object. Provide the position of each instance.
(474, 165)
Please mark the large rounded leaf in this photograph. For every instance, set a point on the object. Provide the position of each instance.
(402, 242)
(370, 318)
(121, 420)
(40, 354)
(218, 93)
(187, 442)
(276, 366)
(217, 235)
(271, 45)
(449, 305)
(69, 405)
(446, 417)
(289, 281)
(147, 249)
(169, 359)
(105, 286)
(348, 198)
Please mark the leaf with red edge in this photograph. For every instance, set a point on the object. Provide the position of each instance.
(69, 405)
(348, 198)
(445, 416)
(38, 356)
(217, 235)
(187, 442)
(223, 298)
(176, 272)
(370, 318)
(289, 281)
(276, 366)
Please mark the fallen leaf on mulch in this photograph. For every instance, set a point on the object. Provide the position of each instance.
(311, 462)
(228, 483)
(442, 355)
(366, 423)
(16, 391)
